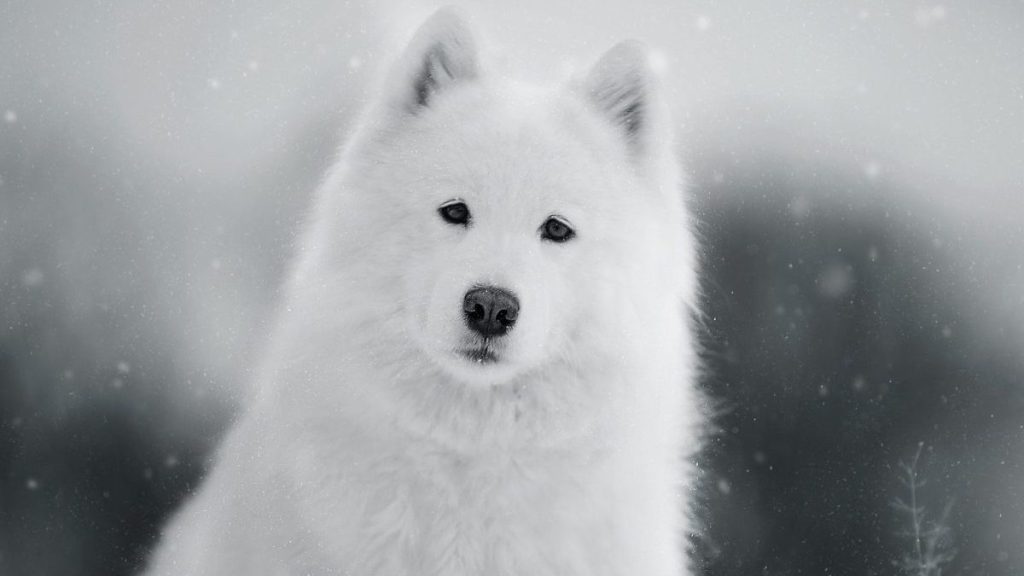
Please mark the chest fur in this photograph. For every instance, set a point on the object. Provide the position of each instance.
(502, 513)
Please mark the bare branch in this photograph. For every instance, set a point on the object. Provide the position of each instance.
(931, 540)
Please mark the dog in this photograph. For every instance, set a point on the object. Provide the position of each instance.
(485, 361)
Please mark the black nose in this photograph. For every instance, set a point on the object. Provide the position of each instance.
(490, 311)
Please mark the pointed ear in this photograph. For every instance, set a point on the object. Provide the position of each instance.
(621, 86)
(441, 54)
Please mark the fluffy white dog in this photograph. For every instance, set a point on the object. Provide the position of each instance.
(484, 365)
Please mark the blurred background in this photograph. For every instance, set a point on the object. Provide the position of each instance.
(857, 174)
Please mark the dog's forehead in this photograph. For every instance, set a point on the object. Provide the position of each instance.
(518, 143)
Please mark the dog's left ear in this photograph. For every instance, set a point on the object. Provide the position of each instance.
(441, 55)
(622, 87)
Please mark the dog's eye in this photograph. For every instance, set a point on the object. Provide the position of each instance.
(455, 212)
(556, 229)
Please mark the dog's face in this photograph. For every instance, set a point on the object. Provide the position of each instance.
(518, 214)
(509, 235)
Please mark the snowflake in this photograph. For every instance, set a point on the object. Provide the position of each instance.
(872, 170)
(835, 280)
(925, 16)
(724, 487)
(32, 277)
(658, 61)
(800, 207)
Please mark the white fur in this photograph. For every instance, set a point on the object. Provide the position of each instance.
(373, 448)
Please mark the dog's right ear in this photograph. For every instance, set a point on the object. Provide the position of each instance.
(441, 55)
(622, 87)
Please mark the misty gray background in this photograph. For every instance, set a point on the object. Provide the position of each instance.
(857, 172)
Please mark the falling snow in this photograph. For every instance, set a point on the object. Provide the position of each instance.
(872, 170)
(835, 280)
(800, 207)
(32, 277)
(144, 231)
(926, 16)
(723, 486)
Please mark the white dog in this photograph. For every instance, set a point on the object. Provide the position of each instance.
(484, 365)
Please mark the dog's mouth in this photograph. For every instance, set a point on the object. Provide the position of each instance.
(481, 354)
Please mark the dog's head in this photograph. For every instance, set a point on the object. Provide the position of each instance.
(518, 226)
